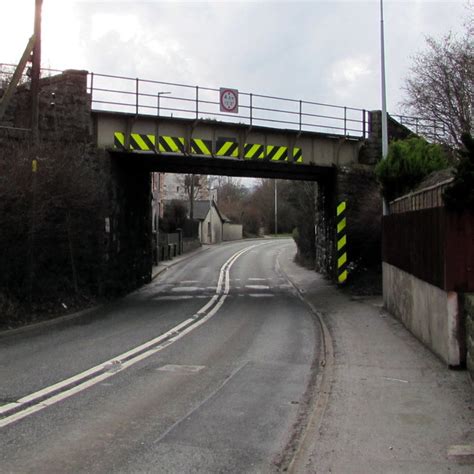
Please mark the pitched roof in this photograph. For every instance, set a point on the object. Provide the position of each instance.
(200, 209)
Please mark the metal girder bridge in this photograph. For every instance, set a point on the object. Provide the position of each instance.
(179, 145)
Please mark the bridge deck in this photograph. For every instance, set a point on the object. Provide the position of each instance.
(213, 147)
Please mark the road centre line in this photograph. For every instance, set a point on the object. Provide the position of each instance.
(55, 393)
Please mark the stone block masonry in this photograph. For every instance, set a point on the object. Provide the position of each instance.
(469, 315)
(112, 240)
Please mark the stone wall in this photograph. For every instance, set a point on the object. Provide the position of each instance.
(324, 229)
(469, 315)
(371, 152)
(232, 231)
(64, 108)
(358, 187)
(121, 257)
(128, 236)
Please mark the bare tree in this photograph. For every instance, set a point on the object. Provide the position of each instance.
(440, 86)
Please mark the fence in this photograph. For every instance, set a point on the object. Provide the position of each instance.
(168, 99)
(432, 244)
(424, 199)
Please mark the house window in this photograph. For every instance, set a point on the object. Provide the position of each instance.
(209, 232)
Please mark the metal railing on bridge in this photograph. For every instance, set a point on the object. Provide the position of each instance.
(168, 99)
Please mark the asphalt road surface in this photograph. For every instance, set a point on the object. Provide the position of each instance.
(206, 369)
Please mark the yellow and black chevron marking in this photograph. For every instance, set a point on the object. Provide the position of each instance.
(297, 155)
(119, 140)
(201, 147)
(341, 240)
(142, 142)
(226, 147)
(254, 151)
(171, 144)
(277, 153)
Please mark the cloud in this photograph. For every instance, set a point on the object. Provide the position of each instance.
(348, 75)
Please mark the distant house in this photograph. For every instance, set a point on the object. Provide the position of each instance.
(211, 221)
(177, 187)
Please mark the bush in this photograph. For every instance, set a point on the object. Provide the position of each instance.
(460, 195)
(174, 216)
(407, 163)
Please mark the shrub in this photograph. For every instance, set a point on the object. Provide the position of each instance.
(408, 162)
(460, 195)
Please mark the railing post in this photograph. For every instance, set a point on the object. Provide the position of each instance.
(197, 102)
(345, 121)
(92, 90)
(251, 109)
(300, 114)
(136, 95)
(363, 123)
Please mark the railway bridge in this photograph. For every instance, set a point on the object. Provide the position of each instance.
(136, 126)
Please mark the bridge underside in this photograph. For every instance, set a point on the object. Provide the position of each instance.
(204, 165)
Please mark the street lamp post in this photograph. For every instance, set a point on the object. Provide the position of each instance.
(276, 207)
(384, 99)
(210, 208)
(158, 95)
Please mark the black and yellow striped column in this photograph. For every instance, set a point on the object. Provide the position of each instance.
(341, 245)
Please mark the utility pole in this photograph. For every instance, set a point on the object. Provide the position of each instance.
(35, 72)
(191, 198)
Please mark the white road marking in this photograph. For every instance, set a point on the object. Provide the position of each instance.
(174, 298)
(257, 279)
(181, 369)
(257, 287)
(187, 288)
(261, 295)
(66, 388)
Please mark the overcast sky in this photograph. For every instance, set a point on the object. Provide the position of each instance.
(326, 51)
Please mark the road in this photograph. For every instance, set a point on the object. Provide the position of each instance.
(207, 369)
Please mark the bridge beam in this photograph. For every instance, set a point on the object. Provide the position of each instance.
(287, 147)
(198, 164)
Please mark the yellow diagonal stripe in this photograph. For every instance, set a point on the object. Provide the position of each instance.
(170, 142)
(152, 138)
(201, 145)
(143, 146)
(252, 151)
(341, 225)
(343, 277)
(295, 151)
(341, 242)
(341, 208)
(226, 147)
(281, 151)
(341, 260)
(120, 137)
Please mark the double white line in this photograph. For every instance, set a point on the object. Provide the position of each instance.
(48, 396)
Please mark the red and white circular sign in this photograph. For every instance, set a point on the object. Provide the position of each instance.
(229, 100)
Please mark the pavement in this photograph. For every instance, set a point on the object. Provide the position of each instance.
(385, 403)
(165, 264)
